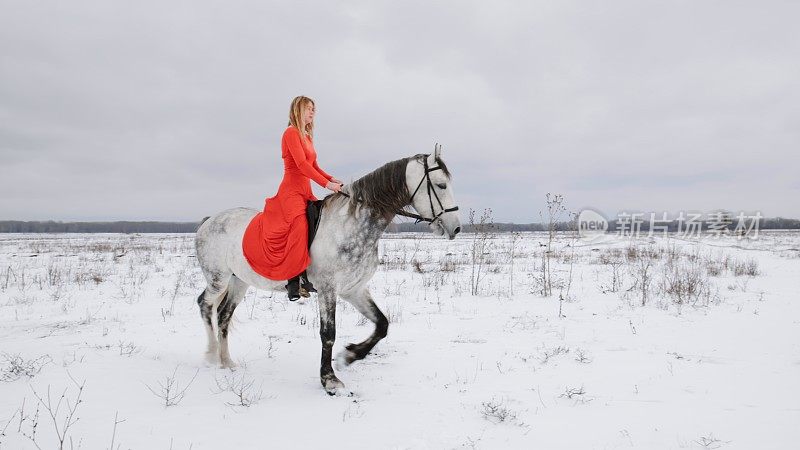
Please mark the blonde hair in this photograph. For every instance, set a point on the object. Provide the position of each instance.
(295, 111)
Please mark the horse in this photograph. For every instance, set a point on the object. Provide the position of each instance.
(344, 253)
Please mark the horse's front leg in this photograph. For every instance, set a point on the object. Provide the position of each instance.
(363, 302)
(327, 333)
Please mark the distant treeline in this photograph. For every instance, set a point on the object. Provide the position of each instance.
(16, 226)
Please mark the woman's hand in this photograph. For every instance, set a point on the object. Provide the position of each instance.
(334, 186)
(337, 180)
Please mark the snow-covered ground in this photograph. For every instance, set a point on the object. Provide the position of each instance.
(711, 360)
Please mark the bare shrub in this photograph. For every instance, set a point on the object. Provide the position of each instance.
(496, 412)
(641, 271)
(710, 442)
(15, 367)
(523, 322)
(582, 357)
(609, 254)
(748, 267)
(394, 313)
(548, 354)
(128, 348)
(714, 269)
(631, 253)
(578, 394)
(94, 274)
(179, 282)
(447, 263)
(482, 231)
(62, 419)
(170, 391)
(241, 387)
(571, 392)
(512, 247)
(685, 282)
(394, 257)
(569, 258)
(114, 432)
(56, 273)
(396, 289)
(555, 207)
(613, 259)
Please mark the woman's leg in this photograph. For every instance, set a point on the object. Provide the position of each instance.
(306, 283)
(297, 254)
(293, 288)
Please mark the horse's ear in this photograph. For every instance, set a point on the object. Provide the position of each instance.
(437, 151)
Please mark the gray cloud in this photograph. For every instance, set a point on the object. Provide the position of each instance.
(173, 111)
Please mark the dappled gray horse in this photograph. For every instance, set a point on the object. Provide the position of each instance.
(344, 253)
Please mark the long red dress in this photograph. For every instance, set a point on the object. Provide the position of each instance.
(275, 242)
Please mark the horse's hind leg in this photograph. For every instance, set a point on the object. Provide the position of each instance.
(235, 294)
(208, 302)
(364, 303)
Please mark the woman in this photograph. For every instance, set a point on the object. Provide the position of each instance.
(276, 240)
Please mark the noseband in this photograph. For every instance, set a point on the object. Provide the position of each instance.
(425, 178)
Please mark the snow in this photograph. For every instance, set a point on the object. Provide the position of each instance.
(500, 369)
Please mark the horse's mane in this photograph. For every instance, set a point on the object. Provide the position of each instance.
(383, 191)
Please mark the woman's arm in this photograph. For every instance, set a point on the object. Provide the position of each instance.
(292, 136)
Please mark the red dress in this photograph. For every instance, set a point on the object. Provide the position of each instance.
(275, 242)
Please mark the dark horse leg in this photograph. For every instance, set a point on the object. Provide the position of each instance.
(208, 301)
(327, 333)
(236, 292)
(366, 306)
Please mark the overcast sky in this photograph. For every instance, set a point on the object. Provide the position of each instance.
(165, 110)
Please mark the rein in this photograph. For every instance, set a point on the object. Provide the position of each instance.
(425, 177)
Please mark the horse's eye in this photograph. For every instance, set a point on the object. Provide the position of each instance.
(442, 185)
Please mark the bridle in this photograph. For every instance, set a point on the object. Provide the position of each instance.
(429, 185)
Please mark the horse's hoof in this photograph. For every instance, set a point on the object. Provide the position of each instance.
(212, 357)
(344, 358)
(228, 363)
(333, 386)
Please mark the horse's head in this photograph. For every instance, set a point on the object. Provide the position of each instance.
(431, 190)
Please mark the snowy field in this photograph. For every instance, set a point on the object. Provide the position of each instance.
(655, 343)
